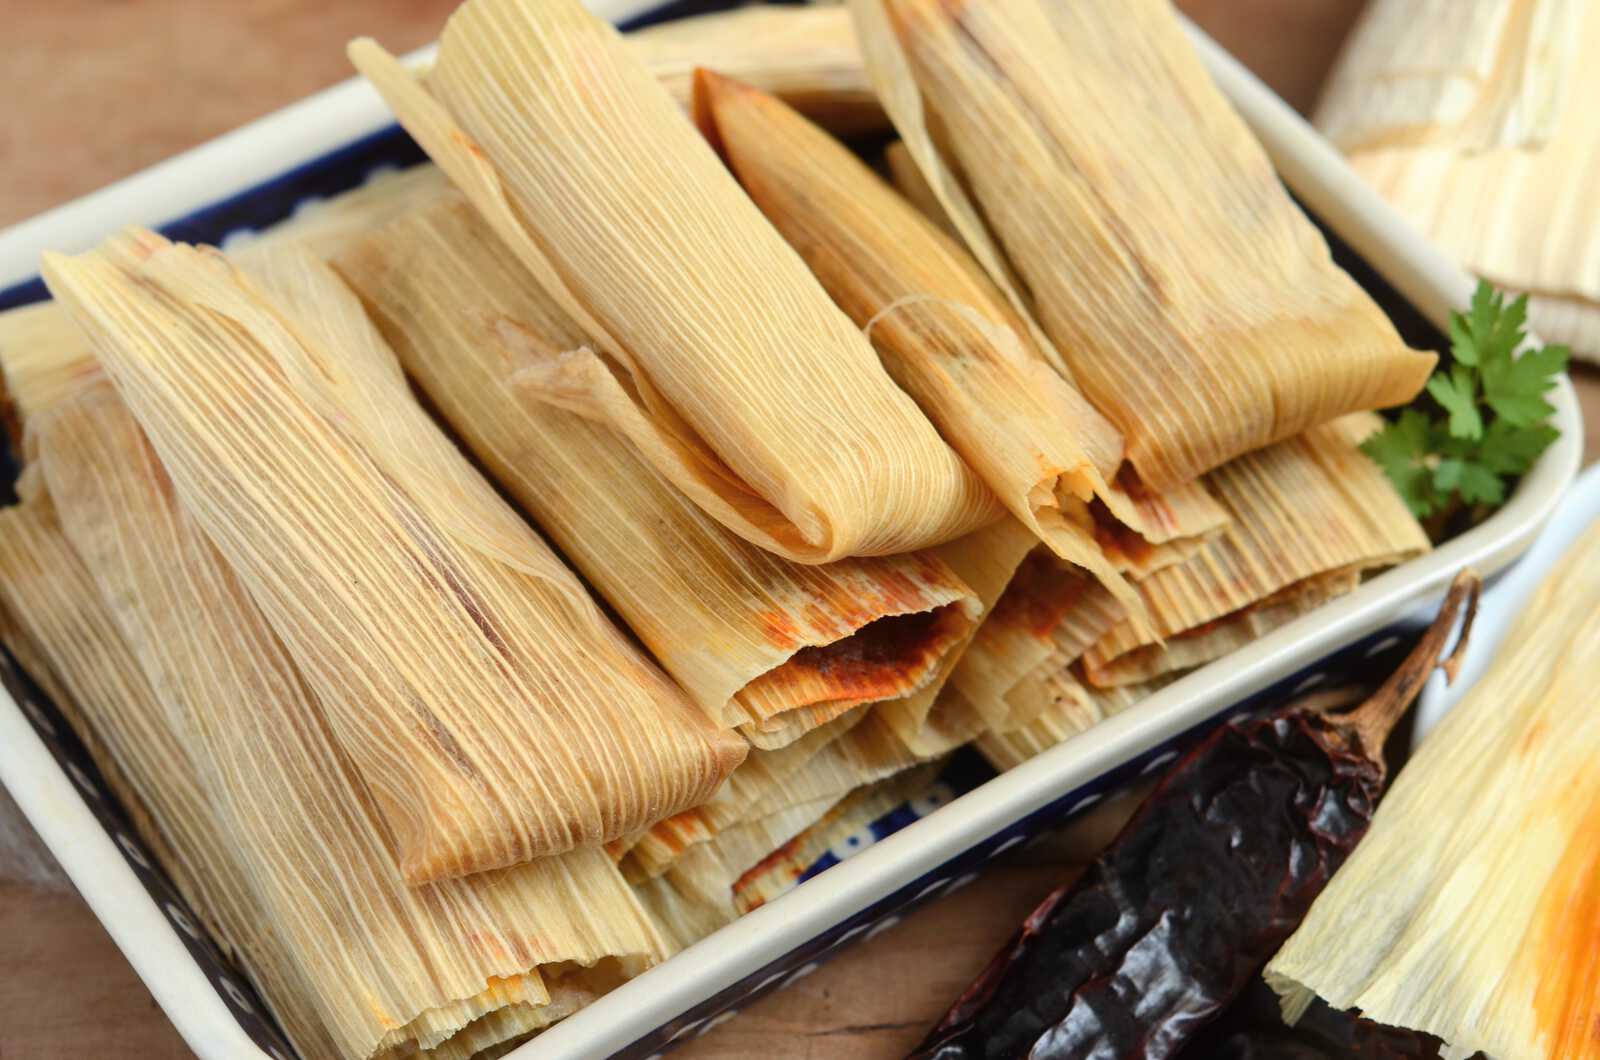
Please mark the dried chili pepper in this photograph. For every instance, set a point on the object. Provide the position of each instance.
(1202, 886)
(1253, 1029)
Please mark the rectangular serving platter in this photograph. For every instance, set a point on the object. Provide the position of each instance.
(335, 140)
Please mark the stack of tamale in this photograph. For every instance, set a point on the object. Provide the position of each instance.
(867, 475)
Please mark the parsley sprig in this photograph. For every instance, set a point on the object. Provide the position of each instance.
(1490, 422)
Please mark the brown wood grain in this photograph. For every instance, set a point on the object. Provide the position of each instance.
(95, 90)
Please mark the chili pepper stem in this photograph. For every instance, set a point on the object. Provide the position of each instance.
(1370, 724)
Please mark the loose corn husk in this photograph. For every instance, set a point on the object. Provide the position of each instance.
(496, 715)
(53, 604)
(1307, 516)
(1472, 907)
(943, 331)
(1045, 620)
(1184, 291)
(1524, 219)
(805, 54)
(756, 640)
(388, 966)
(1471, 76)
(1072, 707)
(712, 349)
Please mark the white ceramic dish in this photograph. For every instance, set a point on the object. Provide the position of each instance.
(260, 171)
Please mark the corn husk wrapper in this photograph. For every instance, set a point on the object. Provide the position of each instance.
(805, 54)
(1522, 218)
(780, 871)
(757, 860)
(944, 332)
(1072, 708)
(908, 180)
(1307, 514)
(53, 603)
(706, 872)
(762, 774)
(712, 349)
(686, 917)
(43, 358)
(932, 722)
(1471, 908)
(682, 920)
(1045, 620)
(446, 643)
(324, 227)
(1185, 293)
(867, 753)
(759, 642)
(388, 965)
(1224, 636)
(1476, 76)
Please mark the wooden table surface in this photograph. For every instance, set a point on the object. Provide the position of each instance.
(95, 91)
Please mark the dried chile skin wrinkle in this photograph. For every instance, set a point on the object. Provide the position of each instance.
(1204, 884)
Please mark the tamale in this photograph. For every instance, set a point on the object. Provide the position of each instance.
(1472, 76)
(867, 753)
(1524, 219)
(712, 348)
(686, 917)
(1306, 516)
(304, 826)
(756, 640)
(493, 711)
(43, 357)
(929, 722)
(1223, 636)
(53, 602)
(780, 870)
(762, 773)
(1471, 909)
(325, 226)
(1072, 707)
(1183, 290)
(682, 920)
(706, 872)
(914, 187)
(943, 331)
(805, 54)
(1047, 618)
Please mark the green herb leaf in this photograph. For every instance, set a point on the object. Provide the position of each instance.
(1492, 411)
(1509, 450)
(1514, 388)
(1475, 482)
(1457, 392)
(1401, 449)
